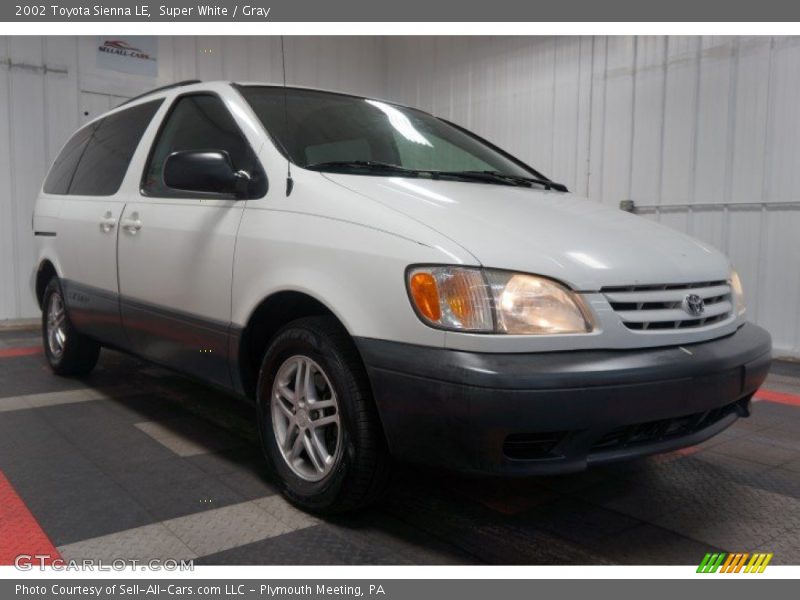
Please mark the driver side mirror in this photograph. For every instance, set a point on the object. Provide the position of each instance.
(205, 171)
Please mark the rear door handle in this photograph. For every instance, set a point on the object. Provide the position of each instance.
(132, 225)
(108, 222)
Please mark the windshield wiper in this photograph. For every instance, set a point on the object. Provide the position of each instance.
(372, 165)
(484, 176)
(508, 179)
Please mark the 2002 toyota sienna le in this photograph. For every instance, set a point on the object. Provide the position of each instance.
(383, 283)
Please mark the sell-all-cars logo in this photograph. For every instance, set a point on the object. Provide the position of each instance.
(735, 562)
(123, 48)
(694, 305)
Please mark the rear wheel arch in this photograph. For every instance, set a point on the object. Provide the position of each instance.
(44, 274)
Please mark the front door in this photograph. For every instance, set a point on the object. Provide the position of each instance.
(176, 248)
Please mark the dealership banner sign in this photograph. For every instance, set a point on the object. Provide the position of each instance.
(137, 55)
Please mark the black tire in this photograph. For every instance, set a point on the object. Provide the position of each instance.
(361, 468)
(78, 354)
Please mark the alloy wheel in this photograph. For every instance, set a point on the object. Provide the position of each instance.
(56, 325)
(305, 418)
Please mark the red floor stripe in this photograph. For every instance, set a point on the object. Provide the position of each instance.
(19, 531)
(13, 352)
(780, 397)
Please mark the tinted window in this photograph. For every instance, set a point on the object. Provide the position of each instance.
(63, 168)
(315, 128)
(200, 122)
(108, 154)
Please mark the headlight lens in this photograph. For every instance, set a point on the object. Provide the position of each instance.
(738, 293)
(492, 301)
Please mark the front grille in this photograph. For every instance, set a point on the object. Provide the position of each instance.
(651, 307)
(664, 429)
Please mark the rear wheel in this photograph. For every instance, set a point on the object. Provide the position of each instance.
(67, 351)
(318, 424)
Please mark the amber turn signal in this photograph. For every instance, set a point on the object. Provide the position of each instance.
(425, 295)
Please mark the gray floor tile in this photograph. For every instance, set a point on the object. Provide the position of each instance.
(577, 521)
(317, 545)
(250, 483)
(220, 529)
(173, 488)
(756, 451)
(190, 436)
(738, 517)
(74, 500)
(149, 542)
(647, 544)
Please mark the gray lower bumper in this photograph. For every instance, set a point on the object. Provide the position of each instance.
(520, 414)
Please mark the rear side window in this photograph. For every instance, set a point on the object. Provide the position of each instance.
(106, 157)
(200, 122)
(63, 168)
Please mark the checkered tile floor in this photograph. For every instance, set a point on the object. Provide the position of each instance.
(135, 462)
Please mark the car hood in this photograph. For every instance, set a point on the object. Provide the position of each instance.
(577, 241)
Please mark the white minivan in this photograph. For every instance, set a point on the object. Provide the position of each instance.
(383, 284)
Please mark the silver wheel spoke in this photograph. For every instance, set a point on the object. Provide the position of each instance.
(322, 404)
(319, 444)
(313, 453)
(299, 382)
(311, 387)
(287, 412)
(297, 447)
(323, 421)
(286, 393)
(292, 433)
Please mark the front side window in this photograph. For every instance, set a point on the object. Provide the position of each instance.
(335, 132)
(108, 154)
(200, 122)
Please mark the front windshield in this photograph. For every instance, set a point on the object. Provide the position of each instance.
(330, 131)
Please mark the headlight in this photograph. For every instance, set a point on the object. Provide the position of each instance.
(738, 293)
(493, 301)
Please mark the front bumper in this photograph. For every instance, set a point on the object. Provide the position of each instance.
(524, 414)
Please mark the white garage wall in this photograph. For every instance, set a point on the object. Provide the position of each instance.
(47, 84)
(703, 133)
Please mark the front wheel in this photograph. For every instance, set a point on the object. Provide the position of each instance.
(68, 352)
(318, 424)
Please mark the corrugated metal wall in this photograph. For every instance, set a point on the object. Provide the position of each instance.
(50, 85)
(702, 132)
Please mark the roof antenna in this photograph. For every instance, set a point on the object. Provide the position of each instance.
(289, 180)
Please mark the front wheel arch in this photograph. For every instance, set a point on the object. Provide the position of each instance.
(271, 315)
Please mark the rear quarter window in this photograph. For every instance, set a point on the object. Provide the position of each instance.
(106, 154)
(60, 175)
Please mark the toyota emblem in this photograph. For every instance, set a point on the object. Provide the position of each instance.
(694, 305)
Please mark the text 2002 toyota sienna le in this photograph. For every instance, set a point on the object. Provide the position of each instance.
(398, 288)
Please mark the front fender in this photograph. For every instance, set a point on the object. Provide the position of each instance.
(356, 271)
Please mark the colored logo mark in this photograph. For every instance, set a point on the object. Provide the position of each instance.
(737, 562)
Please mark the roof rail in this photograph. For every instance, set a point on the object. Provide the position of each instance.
(161, 89)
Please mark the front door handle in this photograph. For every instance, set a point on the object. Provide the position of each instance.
(132, 225)
(108, 222)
